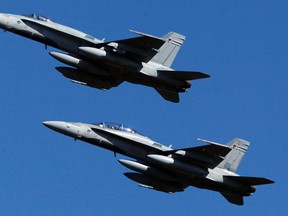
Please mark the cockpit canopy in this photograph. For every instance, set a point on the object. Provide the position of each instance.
(116, 126)
(38, 17)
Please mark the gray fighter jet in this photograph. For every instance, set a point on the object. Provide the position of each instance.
(211, 166)
(144, 60)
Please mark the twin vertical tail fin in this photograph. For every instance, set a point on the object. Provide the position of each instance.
(168, 51)
(234, 157)
(231, 163)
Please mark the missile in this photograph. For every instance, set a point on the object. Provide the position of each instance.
(148, 182)
(150, 171)
(109, 57)
(80, 64)
(138, 167)
(177, 165)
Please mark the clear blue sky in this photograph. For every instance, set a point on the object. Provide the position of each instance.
(241, 44)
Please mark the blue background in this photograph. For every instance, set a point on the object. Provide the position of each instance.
(241, 44)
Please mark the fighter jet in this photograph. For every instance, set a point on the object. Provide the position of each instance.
(144, 60)
(211, 166)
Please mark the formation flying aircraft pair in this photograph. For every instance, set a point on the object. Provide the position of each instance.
(142, 60)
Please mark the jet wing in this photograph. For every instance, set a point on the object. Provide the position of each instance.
(208, 155)
(83, 78)
(141, 48)
(156, 184)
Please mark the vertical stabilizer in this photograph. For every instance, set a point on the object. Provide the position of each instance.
(168, 51)
(234, 157)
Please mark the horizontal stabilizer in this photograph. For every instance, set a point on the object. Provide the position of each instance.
(169, 95)
(250, 180)
(183, 75)
(238, 200)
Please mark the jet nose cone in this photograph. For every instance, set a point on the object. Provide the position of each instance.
(55, 125)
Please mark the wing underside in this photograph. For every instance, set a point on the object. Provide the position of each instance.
(83, 78)
(156, 184)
